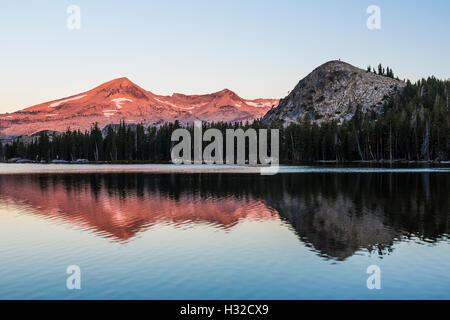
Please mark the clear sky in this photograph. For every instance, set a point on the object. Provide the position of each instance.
(255, 48)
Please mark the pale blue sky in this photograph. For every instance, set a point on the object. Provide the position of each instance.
(255, 48)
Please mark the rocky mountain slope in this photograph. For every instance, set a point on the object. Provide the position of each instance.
(334, 91)
(121, 99)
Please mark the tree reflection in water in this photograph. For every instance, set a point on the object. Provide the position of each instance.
(336, 214)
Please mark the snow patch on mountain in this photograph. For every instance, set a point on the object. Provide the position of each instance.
(261, 104)
(55, 104)
(174, 105)
(119, 101)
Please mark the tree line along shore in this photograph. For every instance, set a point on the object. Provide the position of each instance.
(414, 126)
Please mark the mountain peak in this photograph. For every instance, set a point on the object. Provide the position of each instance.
(333, 91)
(121, 79)
(121, 87)
(227, 93)
(121, 99)
(336, 65)
(119, 82)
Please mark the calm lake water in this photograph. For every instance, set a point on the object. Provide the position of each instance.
(141, 232)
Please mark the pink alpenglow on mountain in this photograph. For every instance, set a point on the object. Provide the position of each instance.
(121, 99)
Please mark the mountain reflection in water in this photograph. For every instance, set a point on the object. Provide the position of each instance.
(335, 214)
